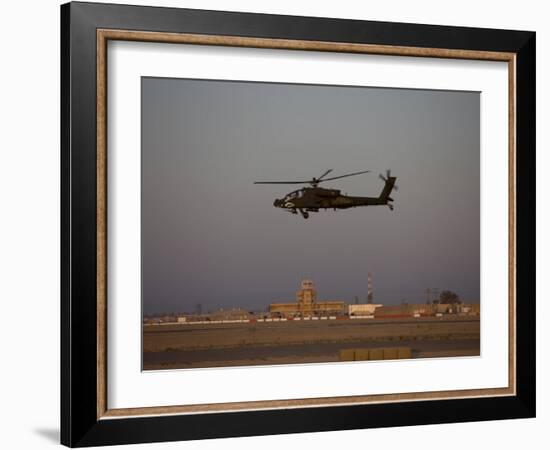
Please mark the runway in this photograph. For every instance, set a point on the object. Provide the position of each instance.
(217, 345)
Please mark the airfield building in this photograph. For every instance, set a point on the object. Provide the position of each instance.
(364, 309)
(306, 304)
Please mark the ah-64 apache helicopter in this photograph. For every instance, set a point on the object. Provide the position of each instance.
(314, 198)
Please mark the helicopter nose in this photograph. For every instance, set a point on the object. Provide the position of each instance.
(278, 203)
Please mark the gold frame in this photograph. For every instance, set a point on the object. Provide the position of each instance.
(104, 35)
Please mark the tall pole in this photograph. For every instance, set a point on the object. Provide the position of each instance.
(369, 296)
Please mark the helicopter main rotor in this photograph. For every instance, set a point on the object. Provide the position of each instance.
(314, 182)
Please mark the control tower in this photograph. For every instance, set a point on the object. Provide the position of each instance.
(307, 304)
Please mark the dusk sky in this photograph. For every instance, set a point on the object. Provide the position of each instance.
(211, 236)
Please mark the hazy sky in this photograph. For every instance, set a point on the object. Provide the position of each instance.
(210, 236)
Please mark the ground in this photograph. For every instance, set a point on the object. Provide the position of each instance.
(241, 344)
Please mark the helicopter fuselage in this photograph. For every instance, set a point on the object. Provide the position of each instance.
(314, 198)
(320, 198)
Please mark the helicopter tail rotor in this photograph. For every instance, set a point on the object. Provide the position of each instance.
(387, 177)
(389, 186)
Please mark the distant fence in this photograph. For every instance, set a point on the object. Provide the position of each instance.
(391, 314)
(272, 319)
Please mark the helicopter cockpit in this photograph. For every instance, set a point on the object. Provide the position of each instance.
(287, 200)
(294, 194)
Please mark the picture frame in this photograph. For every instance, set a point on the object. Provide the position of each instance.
(86, 418)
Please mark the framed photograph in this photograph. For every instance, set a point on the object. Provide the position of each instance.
(278, 224)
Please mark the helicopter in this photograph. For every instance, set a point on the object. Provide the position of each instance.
(313, 198)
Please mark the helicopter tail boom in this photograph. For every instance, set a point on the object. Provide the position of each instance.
(388, 188)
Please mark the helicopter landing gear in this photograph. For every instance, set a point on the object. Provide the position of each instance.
(304, 214)
(391, 207)
(293, 211)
